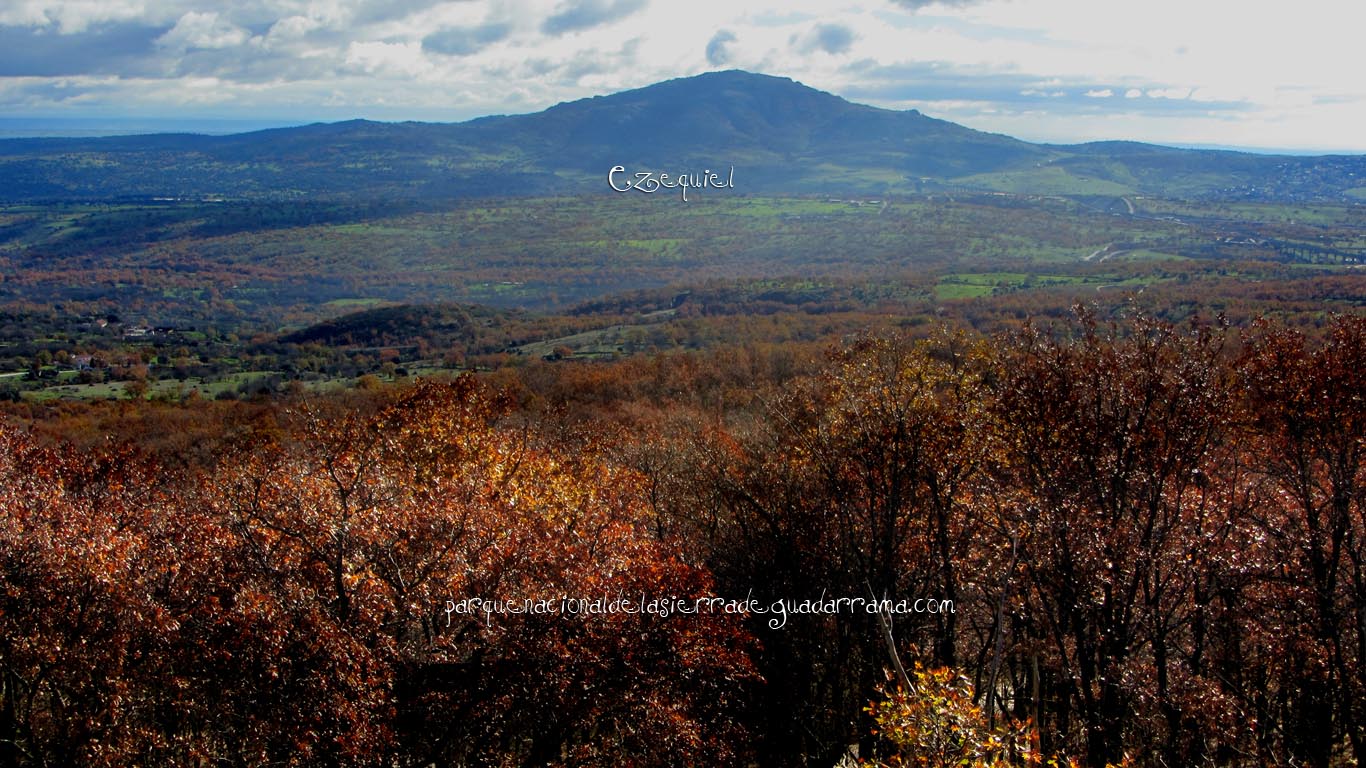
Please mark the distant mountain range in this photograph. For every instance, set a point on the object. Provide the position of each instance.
(780, 136)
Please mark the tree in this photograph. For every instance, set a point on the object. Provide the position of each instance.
(289, 604)
(1113, 436)
(1309, 418)
(936, 724)
(852, 483)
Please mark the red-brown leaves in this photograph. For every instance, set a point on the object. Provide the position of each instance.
(287, 607)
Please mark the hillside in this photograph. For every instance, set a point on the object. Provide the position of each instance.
(782, 138)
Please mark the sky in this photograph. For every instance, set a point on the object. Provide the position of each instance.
(1270, 75)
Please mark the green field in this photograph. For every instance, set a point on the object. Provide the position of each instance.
(613, 275)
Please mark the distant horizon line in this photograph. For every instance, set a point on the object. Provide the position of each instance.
(84, 127)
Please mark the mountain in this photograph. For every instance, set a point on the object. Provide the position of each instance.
(769, 123)
(779, 135)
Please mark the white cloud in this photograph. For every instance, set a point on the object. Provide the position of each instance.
(72, 16)
(1100, 93)
(203, 31)
(1169, 93)
(292, 27)
(388, 59)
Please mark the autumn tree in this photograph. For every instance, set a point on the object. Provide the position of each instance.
(1114, 435)
(382, 518)
(1308, 402)
(935, 723)
(290, 603)
(853, 483)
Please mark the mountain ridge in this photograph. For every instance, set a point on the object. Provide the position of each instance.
(783, 136)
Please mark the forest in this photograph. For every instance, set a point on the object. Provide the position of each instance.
(1149, 535)
(405, 445)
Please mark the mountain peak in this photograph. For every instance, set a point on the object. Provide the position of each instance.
(727, 85)
(740, 77)
(733, 82)
(759, 120)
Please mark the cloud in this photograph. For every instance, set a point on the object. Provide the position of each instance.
(109, 49)
(466, 41)
(204, 31)
(71, 16)
(831, 38)
(374, 11)
(59, 92)
(923, 81)
(916, 5)
(939, 82)
(387, 59)
(718, 48)
(564, 74)
(1169, 93)
(293, 27)
(585, 14)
